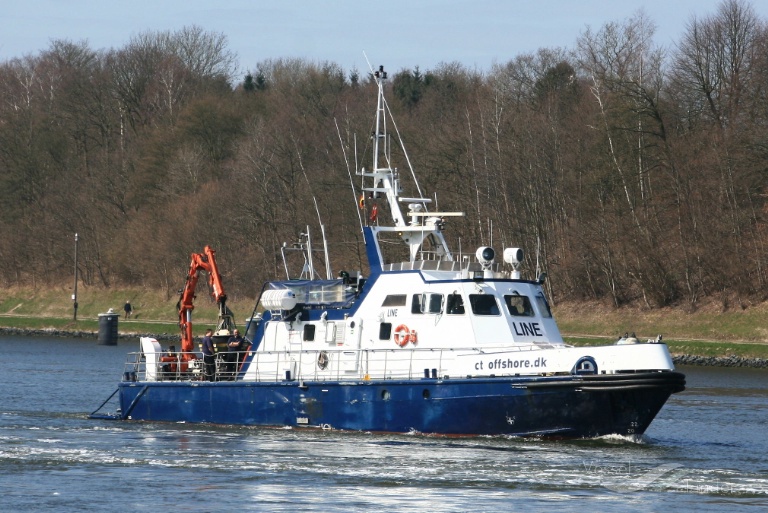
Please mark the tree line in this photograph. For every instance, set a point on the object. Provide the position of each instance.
(630, 172)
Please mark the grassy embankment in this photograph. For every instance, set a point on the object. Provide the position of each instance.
(154, 311)
(709, 331)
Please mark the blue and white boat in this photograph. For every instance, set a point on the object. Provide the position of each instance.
(431, 342)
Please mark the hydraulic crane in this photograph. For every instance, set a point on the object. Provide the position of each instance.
(205, 261)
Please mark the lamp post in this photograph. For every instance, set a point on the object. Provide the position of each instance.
(74, 294)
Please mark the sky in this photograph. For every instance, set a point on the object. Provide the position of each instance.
(401, 34)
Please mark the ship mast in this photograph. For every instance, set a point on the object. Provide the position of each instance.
(422, 225)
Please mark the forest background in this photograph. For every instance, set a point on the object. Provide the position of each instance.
(634, 175)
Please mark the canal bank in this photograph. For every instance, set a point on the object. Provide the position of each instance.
(130, 337)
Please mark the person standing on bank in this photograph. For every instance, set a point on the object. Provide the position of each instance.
(209, 356)
(128, 309)
(235, 344)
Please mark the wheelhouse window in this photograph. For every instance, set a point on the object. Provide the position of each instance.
(434, 303)
(454, 304)
(543, 305)
(519, 306)
(394, 300)
(416, 304)
(427, 303)
(484, 304)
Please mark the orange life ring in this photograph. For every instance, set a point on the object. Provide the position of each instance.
(402, 335)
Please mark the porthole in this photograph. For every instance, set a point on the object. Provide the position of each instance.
(385, 395)
(425, 394)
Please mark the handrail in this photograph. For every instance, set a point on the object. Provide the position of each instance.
(303, 364)
(94, 415)
(127, 412)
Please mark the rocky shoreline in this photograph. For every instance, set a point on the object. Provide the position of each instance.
(678, 359)
(50, 332)
(720, 361)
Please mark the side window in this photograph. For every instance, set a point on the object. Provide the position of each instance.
(309, 332)
(394, 300)
(435, 303)
(454, 304)
(484, 304)
(519, 306)
(543, 305)
(385, 330)
(416, 304)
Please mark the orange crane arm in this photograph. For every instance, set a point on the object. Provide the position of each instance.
(205, 261)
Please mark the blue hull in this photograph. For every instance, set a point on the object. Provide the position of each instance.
(568, 406)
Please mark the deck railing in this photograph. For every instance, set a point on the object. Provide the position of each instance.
(303, 365)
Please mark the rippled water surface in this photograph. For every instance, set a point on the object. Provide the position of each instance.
(706, 451)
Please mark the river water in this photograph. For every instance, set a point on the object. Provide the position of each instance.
(706, 451)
